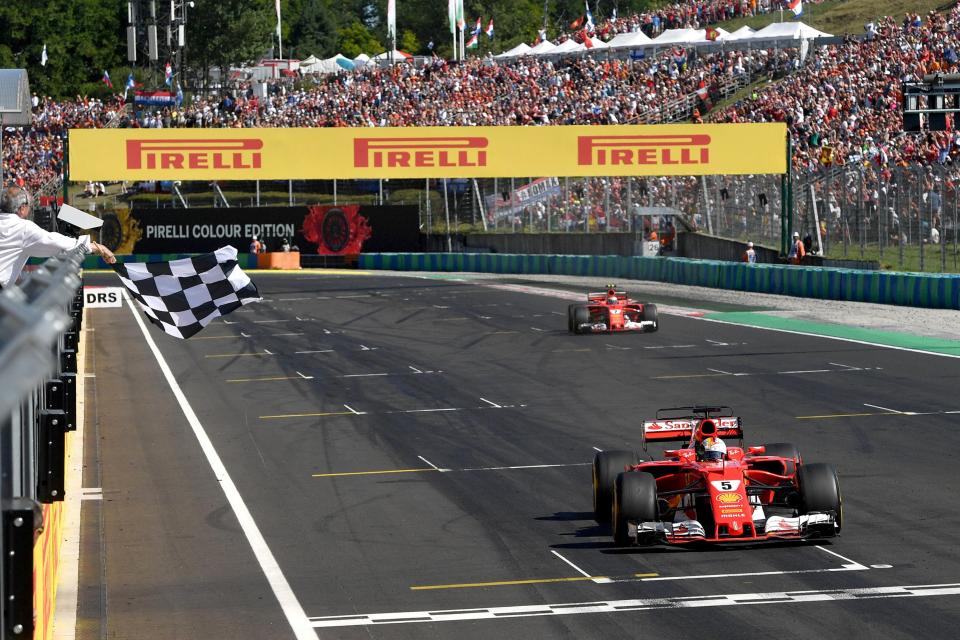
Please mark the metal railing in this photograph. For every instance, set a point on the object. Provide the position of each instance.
(40, 321)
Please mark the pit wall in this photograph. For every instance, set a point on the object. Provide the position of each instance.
(939, 291)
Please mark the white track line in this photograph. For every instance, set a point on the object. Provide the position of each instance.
(726, 373)
(748, 574)
(295, 614)
(415, 370)
(322, 351)
(433, 465)
(529, 466)
(303, 376)
(850, 563)
(492, 404)
(598, 449)
(575, 567)
(354, 411)
(645, 604)
(875, 406)
(365, 375)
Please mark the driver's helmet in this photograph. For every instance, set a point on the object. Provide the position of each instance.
(612, 296)
(713, 449)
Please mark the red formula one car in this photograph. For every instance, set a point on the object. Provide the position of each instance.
(611, 311)
(711, 492)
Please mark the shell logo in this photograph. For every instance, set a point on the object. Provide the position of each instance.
(728, 498)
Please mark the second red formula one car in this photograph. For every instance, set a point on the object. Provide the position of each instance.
(711, 492)
(611, 311)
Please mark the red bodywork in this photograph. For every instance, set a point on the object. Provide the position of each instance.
(720, 496)
(614, 315)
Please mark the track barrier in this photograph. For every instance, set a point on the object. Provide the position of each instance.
(933, 290)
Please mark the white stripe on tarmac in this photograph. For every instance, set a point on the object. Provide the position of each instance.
(644, 604)
(295, 614)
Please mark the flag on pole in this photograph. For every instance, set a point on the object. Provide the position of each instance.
(473, 42)
(576, 24)
(478, 28)
(43, 56)
(452, 15)
(541, 36)
(131, 83)
(278, 17)
(179, 94)
(590, 26)
(712, 34)
(490, 29)
(392, 20)
(106, 79)
(796, 6)
(168, 75)
(461, 22)
(613, 14)
(183, 296)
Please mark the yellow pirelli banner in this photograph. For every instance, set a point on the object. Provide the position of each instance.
(427, 152)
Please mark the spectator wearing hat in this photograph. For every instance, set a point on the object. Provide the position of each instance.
(749, 256)
(797, 250)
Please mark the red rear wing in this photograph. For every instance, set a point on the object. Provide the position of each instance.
(683, 429)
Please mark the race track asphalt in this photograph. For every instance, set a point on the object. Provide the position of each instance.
(420, 447)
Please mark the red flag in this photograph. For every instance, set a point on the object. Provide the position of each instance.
(587, 42)
(576, 24)
(712, 34)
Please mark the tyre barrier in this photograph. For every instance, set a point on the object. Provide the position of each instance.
(933, 290)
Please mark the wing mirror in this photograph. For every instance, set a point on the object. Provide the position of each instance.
(757, 451)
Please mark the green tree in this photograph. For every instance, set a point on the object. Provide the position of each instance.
(313, 29)
(355, 39)
(229, 32)
(408, 42)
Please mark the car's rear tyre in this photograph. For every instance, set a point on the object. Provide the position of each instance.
(650, 315)
(820, 490)
(581, 316)
(607, 465)
(634, 500)
(571, 319)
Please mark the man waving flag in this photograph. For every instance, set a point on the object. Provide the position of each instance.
(489, 31)
(591, 27)
(183, 296)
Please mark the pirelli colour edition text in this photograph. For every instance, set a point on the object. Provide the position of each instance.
(429, 152)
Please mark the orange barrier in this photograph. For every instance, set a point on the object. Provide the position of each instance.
(279, 260)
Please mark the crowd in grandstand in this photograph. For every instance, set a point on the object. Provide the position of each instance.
(841, 103)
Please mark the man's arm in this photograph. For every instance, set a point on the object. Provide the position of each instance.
(40, 243)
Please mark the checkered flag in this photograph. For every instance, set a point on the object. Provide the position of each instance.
(183, 296)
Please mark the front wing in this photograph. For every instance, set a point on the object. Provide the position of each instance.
(814, 525)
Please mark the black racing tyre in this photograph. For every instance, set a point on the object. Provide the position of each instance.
(650, 315)
(820, 490)
(571, 318)
(634, 500)
(581, 316)
(607, 465)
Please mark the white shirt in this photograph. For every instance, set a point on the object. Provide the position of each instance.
(22, 239)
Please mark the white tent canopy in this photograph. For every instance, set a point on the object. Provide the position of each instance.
(362, 59)
(636, 39)
(518, 50)
(740, 34)
(788, 31)
(544, 47)
(598, 43)
(567, 46)
(398, 56)
(679, 36)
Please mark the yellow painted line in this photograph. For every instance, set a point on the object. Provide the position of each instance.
(696, 375)
(510, 583)
(849, 415)
(311, 415)
(370, 473)
(241, 355)
(265, 379)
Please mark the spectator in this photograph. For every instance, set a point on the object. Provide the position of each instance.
(749, 256)
(797, 250)
(255, 245)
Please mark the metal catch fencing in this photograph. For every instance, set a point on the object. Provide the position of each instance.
(40, 321)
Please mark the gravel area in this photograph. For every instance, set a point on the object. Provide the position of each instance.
(938, 323)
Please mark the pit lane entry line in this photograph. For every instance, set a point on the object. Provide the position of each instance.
(645, 604)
